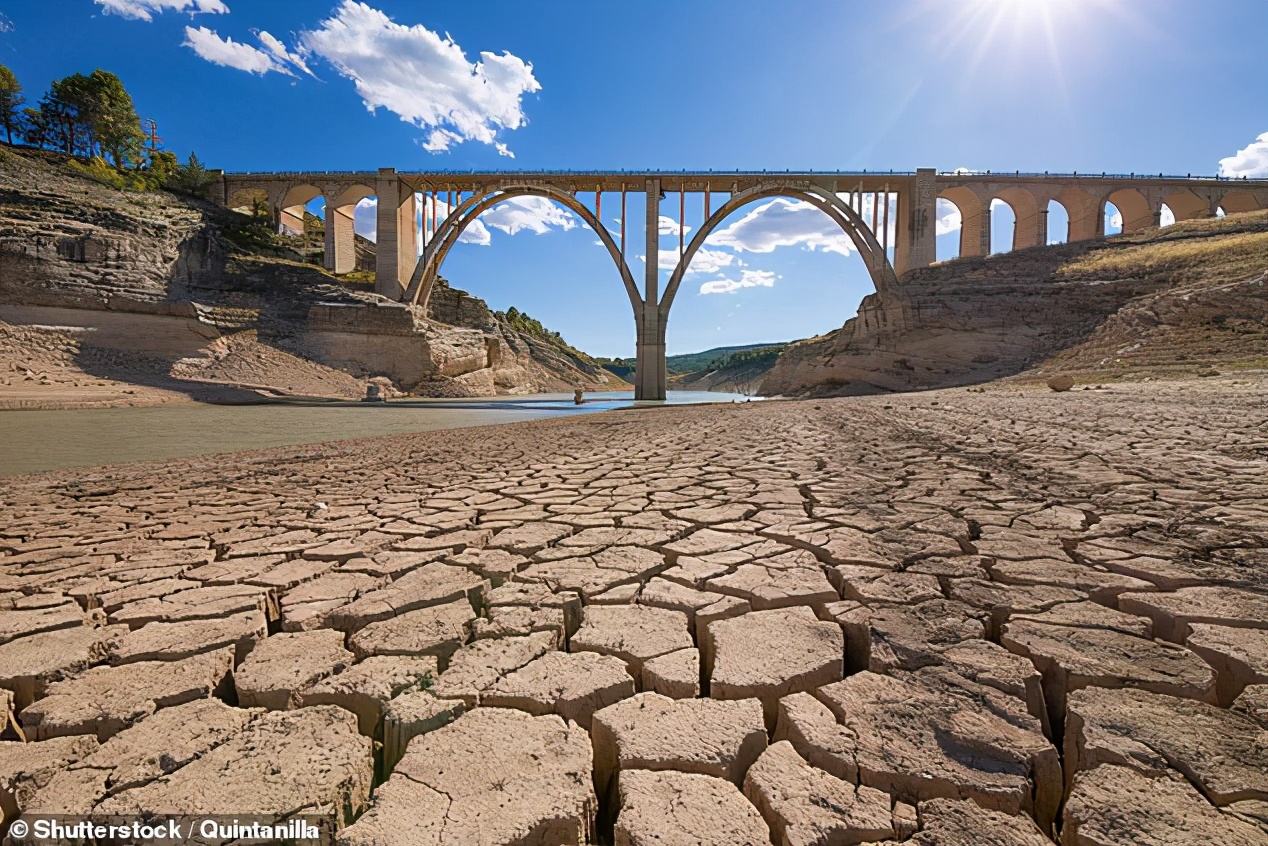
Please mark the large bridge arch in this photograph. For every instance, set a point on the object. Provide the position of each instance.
(341, 204)
(1240, 200)
(462, 215)
(975, 220)
(851, 223)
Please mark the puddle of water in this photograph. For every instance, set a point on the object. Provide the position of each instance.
(39, 441)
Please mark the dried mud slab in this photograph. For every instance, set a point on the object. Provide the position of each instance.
(673, 807)
(310, 761)
(494, 776)
(278, 669)
(174, 641)
(769, 654)
(365, 688)
(28, 665)
(933, 734)
(633, 633)
(412, 713)
(654, 732)
(476, 667)
(1222, 752)
(1112, 805)
(103, 701)
(806, 806)
(27, 767)
(1239, 656)
(1174, 613)
(573, 685)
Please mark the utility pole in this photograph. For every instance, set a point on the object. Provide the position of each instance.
(151, 133)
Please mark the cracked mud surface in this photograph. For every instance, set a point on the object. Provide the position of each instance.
(945, 619)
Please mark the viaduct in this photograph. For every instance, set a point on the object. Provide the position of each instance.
(890, 218)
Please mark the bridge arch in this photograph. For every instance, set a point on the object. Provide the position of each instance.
(1085, 214)
(462, 215)
(290, 209)
(1136, 211)
(851, 223)
(975, 221)
(1239, 200)
(1186, 205)
(339, 225)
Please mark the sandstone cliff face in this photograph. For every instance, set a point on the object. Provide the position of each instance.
(67, 242)
(1188, 296)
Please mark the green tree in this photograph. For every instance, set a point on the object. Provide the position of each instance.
(65, 109)
(33, 127)
(112, 119)
(10, 102)
(191, 178)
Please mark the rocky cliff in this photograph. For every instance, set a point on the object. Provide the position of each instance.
(177, 290)
(1186, 298)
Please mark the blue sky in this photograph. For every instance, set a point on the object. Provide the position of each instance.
(1058, 85)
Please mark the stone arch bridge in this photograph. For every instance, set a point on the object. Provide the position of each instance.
(889, 217)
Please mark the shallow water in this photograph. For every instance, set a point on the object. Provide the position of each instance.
(38, 441)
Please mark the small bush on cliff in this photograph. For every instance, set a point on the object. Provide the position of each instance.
(11, 100)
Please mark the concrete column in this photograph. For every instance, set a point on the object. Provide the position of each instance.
(1088, 222)
(396, 250)
(1031, 230)
(975, 231)
(914, 244)
(649, 369)
(290, 220)
(341, 248)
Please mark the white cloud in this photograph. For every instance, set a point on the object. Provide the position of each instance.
(281, 54)
(365, 220)
(244, 57)
(748, 279)
(144, 10)
(948, 218)
(528, 214)
(666, 225)
(704, 261)
(424, 78)
(1250, 161)
(1166, 216)
(783, 223)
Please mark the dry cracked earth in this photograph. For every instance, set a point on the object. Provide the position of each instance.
(999, 618)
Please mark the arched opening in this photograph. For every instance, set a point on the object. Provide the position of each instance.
(1029, 221)
(1003, 226)
(529, 253)
(1112, 220)
(974, 222)
(770, 267)
(1058, 223)
(1085, 215)
(250, 201)
(290, 213)
(947, 230)
(1236, 202)
(1133, 209)
(339, 224)
(1185, 205)
(1166, 217)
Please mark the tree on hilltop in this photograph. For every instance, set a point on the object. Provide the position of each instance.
(10, 102)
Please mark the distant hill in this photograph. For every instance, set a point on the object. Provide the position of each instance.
(694, 363)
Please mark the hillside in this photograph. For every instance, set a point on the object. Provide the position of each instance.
(737, 368)
(1183, 300)
(111, 297)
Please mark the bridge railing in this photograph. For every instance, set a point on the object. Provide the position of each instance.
(1117, 177)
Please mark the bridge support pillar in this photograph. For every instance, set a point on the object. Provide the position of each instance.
(396, 250)
(341, 247)
(975, 231)
(1031, 230)
(650, 375)
(914, 244)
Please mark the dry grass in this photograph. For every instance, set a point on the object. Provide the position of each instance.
(1212, 255)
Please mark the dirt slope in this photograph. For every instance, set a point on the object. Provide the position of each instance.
(1182, 300)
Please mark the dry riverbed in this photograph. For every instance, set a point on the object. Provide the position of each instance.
(1010, 616)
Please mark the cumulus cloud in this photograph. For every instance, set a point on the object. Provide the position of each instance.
(948, 218)
(666, 225)
(537, 215)
(273, 58)
(783, 223)
(748, 279)
(424, 78)
(1250, 161)
(144, 10)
